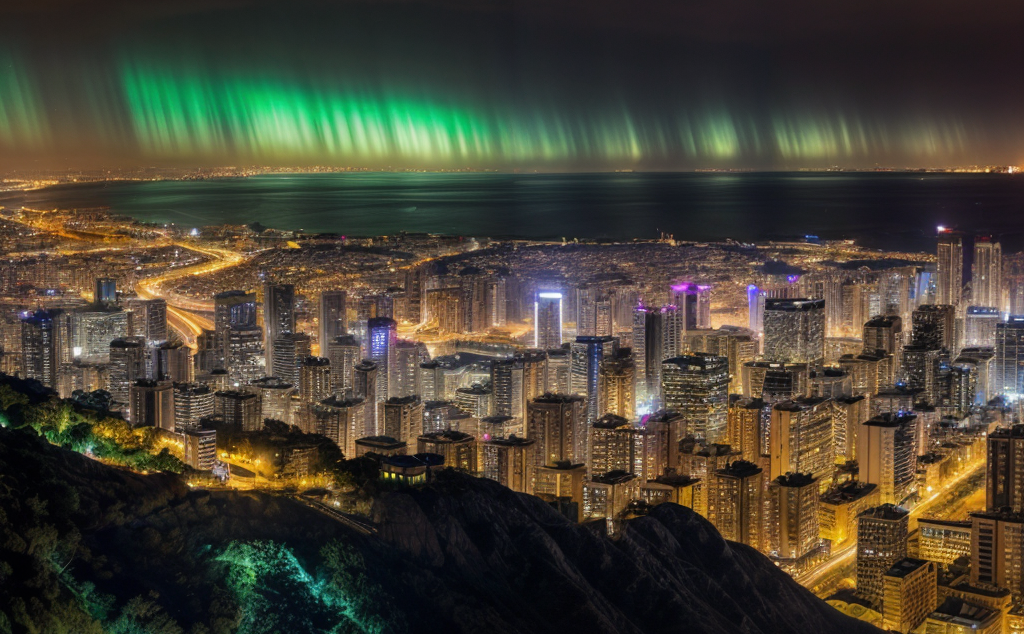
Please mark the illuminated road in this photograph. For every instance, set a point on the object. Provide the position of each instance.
(847, 556)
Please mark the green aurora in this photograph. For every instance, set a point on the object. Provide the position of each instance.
(188, 114)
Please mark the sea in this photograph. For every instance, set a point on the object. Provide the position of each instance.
(894, 211)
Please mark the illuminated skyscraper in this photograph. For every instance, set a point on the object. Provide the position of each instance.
(278, 316)
(275, 398)
(586, 356)
(314, 379)
(793, 521)
(909, 594)
(231, 308)
(881, 542)
(800, 440)
(980, 326)
(557, 423)
(507, 461)
(507, 378)
(241, 410)
(884, 333)
(152, 404)
(755, 309)
(342, 420)
(94, 327)
(949, 268)
(735, 503)
(149, 319)
(934, 327)
(41, 341)
(1005, 469)
(343, 351)
(408, 356)
(127, 365)
(105, 291)
(987, 273)
(173, 362)
(333, 318)
(887, 455)
(383, 335)
(746, 422)
(365, 380)
(1009, 369)
(244, 354)
(794, 331)
(192, 403)
(401, 418)
(547, 320)
(616, 387)
(685, 298)
(289, 351)
(697, 386)
(997, 549)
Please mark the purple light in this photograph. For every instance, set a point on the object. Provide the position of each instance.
(752, 287)
(792, 279)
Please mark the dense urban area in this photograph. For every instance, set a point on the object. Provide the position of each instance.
(851, 414)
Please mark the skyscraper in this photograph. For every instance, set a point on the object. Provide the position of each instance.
(127, 364)
(365, 379)
(987, 273)
(586, 356)
(1004, 485)
(314, 379)
(192, 403)
(41, 341)
(152, 404)
(685, 298)
(241, 410)
(881, 542)
(343, 351)
(507, 383)
(383, 335)
(697, 386)
(616, 387)
(557, 423)
(333, 318)
(402, 418)
(105, 291)
(980, 326)
(887, 455)
(800, 440)
(755, 309)
(934, 327)
(278, 316)
(949, 268)
(735, 503)
(243, 354)
(793, 521)
(231, 308)
(290, 349)
(1009, 370)
(149, 319)
(173, 362)
(794, 331)
(547, 320)
(997, 549)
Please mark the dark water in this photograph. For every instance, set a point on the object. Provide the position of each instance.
(896, 211)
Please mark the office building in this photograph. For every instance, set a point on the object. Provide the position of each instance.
(586, 354)
(987, 274)
(1004, 484)
(949, 284)
(997, 550)
(278, 319)
(735, 503)
(1009, 368)
(127, 365)
(383, 335)
(547, 320)
(93, 328)
(558, 424)
(507, 385)
(697, 387)
(616, 387)
(909, 594)
(314, 379)
(887, 455)
(794, 331)
(275, 398)
(200, 448)
(401, 418)
(793, 522)
(333, 318)
(41, 343)
(800, 439)
(507, 461)
(151, 404)
(105, 291)
(231, 308)
(881, 542)
(344, 353)
(241, 410)
(192, 403)
(943, 541)
(934, 327)
(459, 449)
(243, 354)
(290, 350)
(884, 333)
(343, 420)
(173, 362)
(980, 326)
(149, 319)
(365, 386)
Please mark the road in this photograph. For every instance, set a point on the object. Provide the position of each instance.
(353, 522)
(847, 556)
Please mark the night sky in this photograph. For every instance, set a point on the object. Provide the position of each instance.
(542, 84)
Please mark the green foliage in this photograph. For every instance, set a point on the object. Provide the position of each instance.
(9, 396)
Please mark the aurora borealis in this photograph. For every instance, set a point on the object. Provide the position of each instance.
(472, 89)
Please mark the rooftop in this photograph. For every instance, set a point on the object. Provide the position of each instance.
(905, 566)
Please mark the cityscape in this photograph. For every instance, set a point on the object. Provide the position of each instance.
(853, 415)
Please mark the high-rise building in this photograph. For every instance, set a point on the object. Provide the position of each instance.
(290, 349)
(884, 333)
(507, 383)
(943, 541)
(459, 449)
(618, 445)
(848, 414)
(1009, 368)
(344, 354)
(333, 318)
(800, 439)
(447, 308)
(735, 503)
(558, 424)
(243, 354)
(558, 370)
(794, 520)
(881, 542)
(475, 400)
(314, 379)
(507, 461)
(934, 327)
(275, 398)
(887, 455)
(200, 448)
(94, 327)
(173, 362)
(755, 307)
(152, 404)
(616, 387)
(745, 426)
(343, 420)
(149, 319)
(241, 410)
(383, 336)
(547, 320)
(697, 386)
(127, 365)
(408, 356)
(192, 403)
(794, 331)
(402, 418)
(365, 379)
(231, 308)
(980, 325)
(41, 342)
(909, 594)
(949, 269)
(586, 356)
(278, 317)
(1004, 485)
(997, 550)
(987, 273)
(105, 291)
(685, 299)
